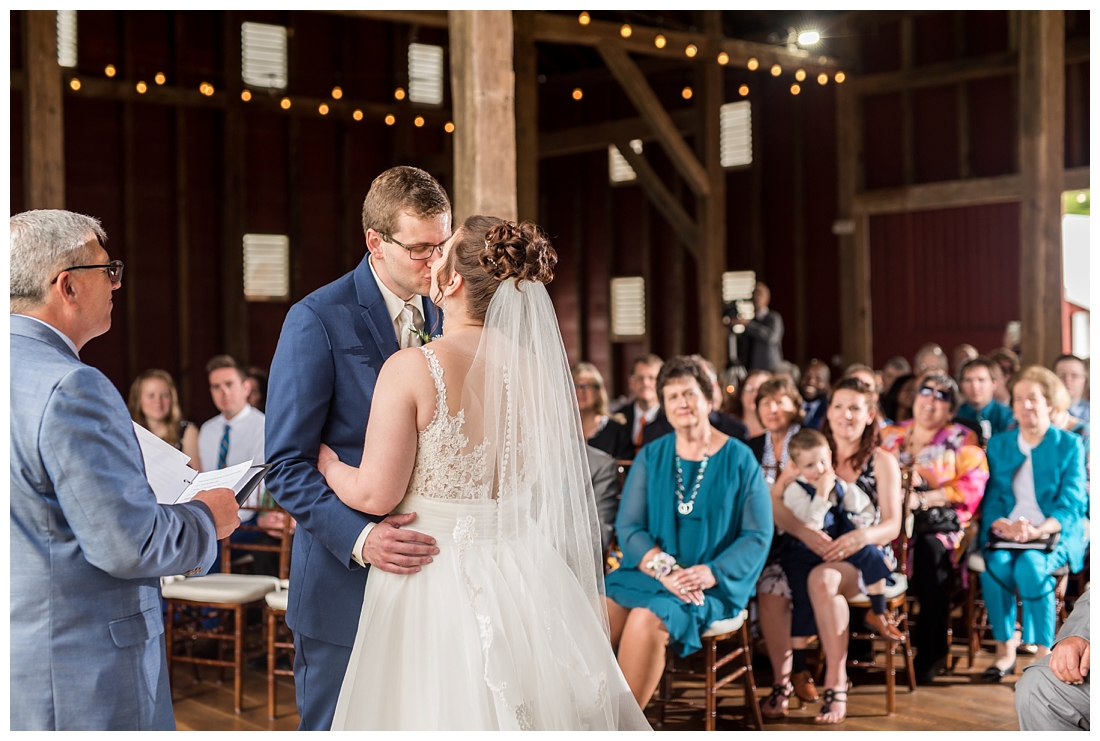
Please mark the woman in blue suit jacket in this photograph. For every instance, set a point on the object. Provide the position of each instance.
(1047, 497)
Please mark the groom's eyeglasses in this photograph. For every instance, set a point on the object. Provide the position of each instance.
(416, 251)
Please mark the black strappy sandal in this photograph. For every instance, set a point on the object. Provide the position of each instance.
(828, 697)
(779, 692)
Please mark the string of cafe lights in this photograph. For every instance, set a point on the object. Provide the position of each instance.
(805, 38)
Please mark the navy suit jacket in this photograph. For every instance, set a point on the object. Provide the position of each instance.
(88, 543)
(332, 346)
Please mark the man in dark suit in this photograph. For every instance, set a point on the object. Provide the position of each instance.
(645, 410)
(760, 345)
(332, 346)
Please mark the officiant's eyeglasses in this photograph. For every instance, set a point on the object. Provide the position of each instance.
(113, 268)
(416, 251)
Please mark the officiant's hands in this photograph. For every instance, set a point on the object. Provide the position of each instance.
(392, 548)
(223, 506)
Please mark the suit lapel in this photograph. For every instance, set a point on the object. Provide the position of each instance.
(431, 315)
(375, 315)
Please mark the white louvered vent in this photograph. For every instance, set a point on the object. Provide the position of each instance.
(66, 38)
(263, 55)
(736, 134)
(737, 285)
(426, 74)
(627, 307)
(618, 169)
(266, 267)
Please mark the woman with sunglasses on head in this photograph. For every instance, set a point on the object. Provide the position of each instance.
(602, 430)
(949, 472)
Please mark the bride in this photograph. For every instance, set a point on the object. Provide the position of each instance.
(478, 433)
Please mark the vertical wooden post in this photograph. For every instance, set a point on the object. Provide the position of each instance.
(483, 85)
(855, 253)
(43, 113)
(711, 208)
(234, 308)
(1042, 149)
(798, 220)
(527, 116)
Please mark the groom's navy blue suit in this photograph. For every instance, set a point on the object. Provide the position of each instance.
(332, 346)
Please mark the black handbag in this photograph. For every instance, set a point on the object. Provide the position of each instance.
(936, 520)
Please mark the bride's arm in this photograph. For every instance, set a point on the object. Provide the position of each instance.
(389, 447)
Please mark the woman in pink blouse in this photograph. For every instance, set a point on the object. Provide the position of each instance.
(949, 475)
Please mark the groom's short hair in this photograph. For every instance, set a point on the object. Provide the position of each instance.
(402, 190)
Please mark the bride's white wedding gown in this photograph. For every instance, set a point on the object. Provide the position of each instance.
(491, 634)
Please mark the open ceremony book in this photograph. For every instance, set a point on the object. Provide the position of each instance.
(173, 481)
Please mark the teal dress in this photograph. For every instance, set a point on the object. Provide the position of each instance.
(729, 530)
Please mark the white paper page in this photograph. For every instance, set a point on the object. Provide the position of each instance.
(165, 467)
(227, 477)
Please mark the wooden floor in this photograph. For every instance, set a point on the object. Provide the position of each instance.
(954, 703)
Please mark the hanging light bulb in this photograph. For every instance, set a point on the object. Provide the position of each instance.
(776, 70)
(626, 31)
(743, 90)
(752, 64)
(323, 109)
(390, 119)
(577, 93)
(110, 70)
(800, 75)
(796, 89)
(660, 41)
(285, 104)
(822, 78)
(723, 58)
(691, 50)
(357, 114)
(449, 127)
(839, 77)
(159, 78)
(418, 121)
(141, 87)
(246, 95)
(584, 19)
(686, 93)
(337, 93)
(399, 93)
(74, 83)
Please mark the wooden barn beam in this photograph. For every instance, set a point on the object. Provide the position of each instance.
(527, 116)
(43, 113)
(855, 251)
(594, 137)
(483, 89)
(430, 18)
(661, 197)
(1042, 151)
(656, 117)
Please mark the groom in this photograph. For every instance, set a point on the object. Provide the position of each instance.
(332, 346)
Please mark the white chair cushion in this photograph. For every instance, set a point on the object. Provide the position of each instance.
(730, 625)
(224, 588)
(277, 600)
(976, 563)
(900, 585)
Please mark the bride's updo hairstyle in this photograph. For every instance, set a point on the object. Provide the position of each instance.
(489, 250)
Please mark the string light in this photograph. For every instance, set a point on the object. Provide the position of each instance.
(323, 109)
(691, 50)
(337, 93)
(839, 77)
(800, 75)
(246, 95)
(660, 41)
(743, 90)
(584, 19)
(752, 64)
(723, 58)
(776, 70)
(577, 93)
(141, 87)
(399, 93)
(357, 115)
(390, 119)
(822, 78)
(159, 78)
(796, 89)
(206, 89)
(285, 104)
(418, 121)
(74, 84)
(626, 31)
(686, 93)
(109, 70)
(449, 127)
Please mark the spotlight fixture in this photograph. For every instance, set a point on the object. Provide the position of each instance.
(418, 121)
(822, 78)
(399, 93)
(285, 104)
(743, 90)
(723, 58)
(808, 38)
(159, 78)
(357, 115)
(246, 95)
(449, 127)
(752, 64)
(660, 41)
(626, 31)
(323, 109)
(337, 93)
(839, 77)
(776, 70)
(800, 75)
(796, 89)
(110, 70)
(691, 50)
(390, 119)
(141, 87)
(584, 19)
(577, 93)
(74, 84)
(686, 93)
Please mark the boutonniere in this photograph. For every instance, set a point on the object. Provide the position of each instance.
(424, 336)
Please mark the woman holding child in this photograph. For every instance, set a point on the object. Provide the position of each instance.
(857, 464)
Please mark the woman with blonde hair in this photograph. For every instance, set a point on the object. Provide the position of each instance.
(155, 405)
(602, 430)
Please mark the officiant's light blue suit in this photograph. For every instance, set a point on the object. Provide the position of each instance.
(88, 541)
(332, 346)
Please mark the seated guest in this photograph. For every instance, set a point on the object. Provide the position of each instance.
(745, 402)
(1009, 364)
(723, 422)
(893, 368)
(1036, 490)
(1054, 692)
(645, 409)
(897, 402)
(1062, 419)
(602, 431)
(788, 369)
(257, 396)
(993, 417)
(948, 474)
(694, 526)
(154, 405)
(960, 356)
(815, 390)
(605, 485)
(930, 357)
(779, 406)
(1071, 371)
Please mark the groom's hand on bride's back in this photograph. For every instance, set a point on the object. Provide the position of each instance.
(390, 547)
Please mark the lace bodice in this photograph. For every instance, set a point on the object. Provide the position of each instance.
(442, 470)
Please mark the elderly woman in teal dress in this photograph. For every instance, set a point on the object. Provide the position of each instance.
(694, 525)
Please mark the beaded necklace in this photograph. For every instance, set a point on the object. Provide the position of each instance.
(685, 508)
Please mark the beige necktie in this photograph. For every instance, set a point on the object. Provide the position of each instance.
(407, 326)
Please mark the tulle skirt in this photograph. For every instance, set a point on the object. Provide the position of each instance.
(488, 636)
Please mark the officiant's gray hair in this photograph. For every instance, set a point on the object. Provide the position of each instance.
(44, 243)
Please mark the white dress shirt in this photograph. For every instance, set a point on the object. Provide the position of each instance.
(1023, 486)
(812, 510)
(404, 314)
(62, 335)
(246, 441)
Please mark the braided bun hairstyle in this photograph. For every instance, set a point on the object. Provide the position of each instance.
(487, 251)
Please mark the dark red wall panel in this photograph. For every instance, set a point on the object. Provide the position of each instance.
(883, 162)
(935, 134)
